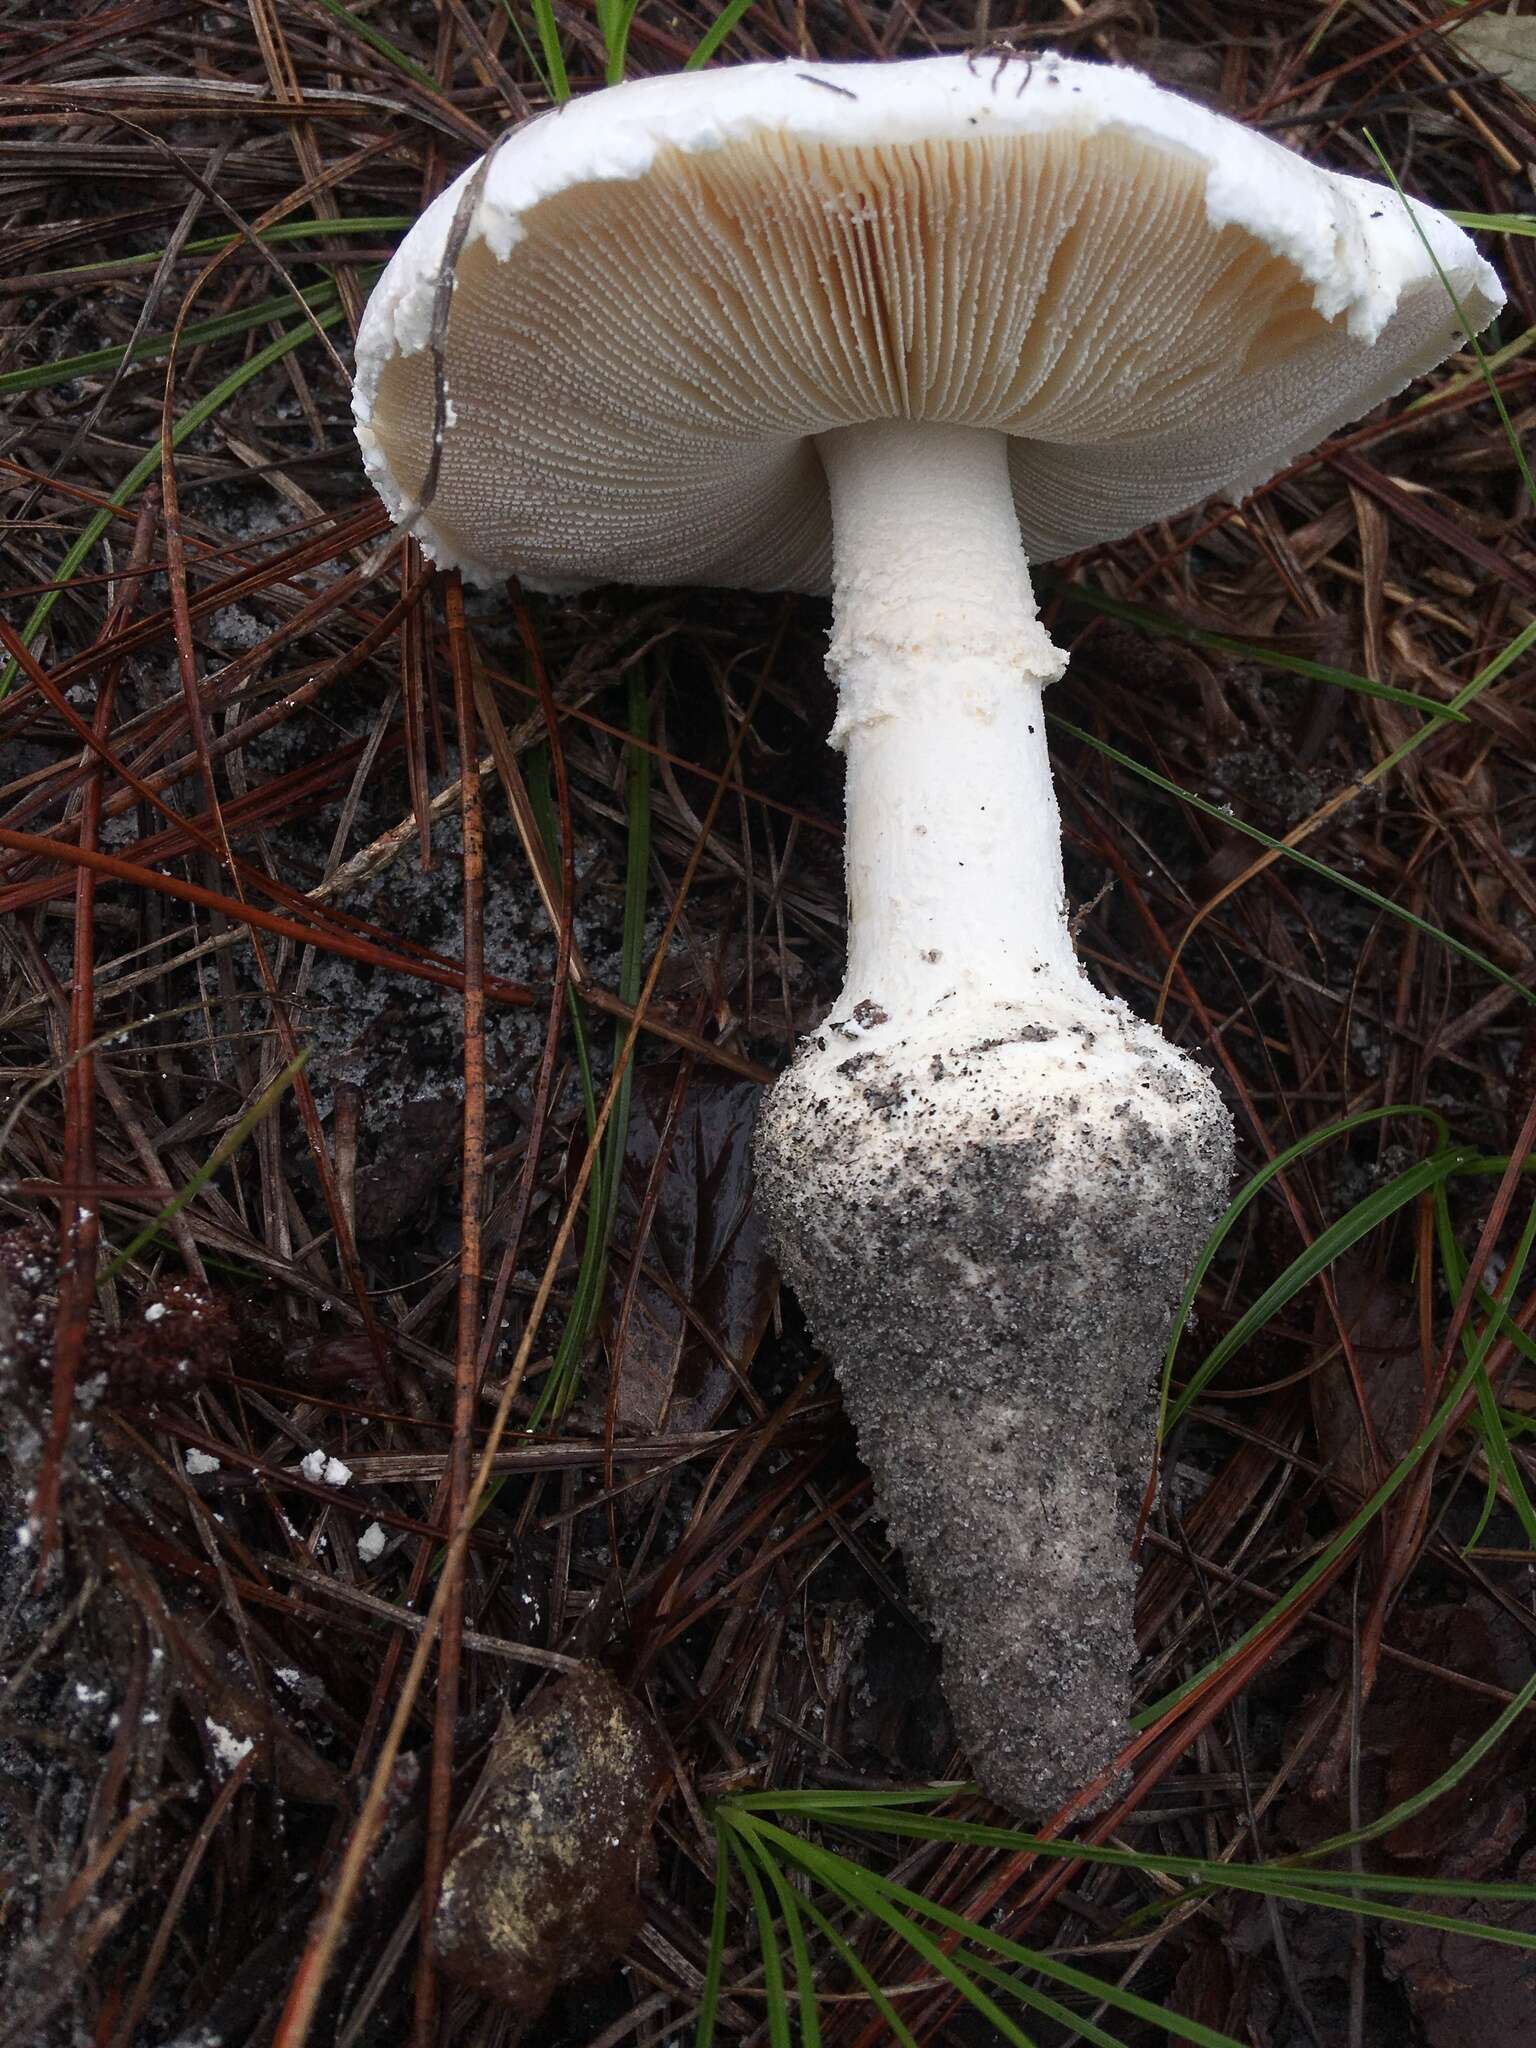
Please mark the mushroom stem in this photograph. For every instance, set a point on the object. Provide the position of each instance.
(985, 1180)
(955, 886)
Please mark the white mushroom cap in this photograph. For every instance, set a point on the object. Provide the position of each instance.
(664, 291)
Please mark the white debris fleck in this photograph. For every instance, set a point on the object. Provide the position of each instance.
(199, 1462)
(371, 1543)
(228, 1747)
(325, 1471)
(91, 1695)
(154, 1312)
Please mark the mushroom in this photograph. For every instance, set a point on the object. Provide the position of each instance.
(895, 332)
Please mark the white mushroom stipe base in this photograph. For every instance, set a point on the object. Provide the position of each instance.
(886, 331)
(986, 1182)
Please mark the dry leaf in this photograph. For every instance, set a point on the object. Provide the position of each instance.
(1504, 44)
(704, 1247)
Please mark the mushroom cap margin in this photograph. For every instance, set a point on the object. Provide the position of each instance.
(1353, 242)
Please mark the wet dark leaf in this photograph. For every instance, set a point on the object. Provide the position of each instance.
(346, 1363)
(1205, 1987)
(1414, 1729)
(543, 1880)
(1467, 1993)
(1383, 1330)
(1424, 1726)
(410, 1159)
(898, 1707)
(705, 1266)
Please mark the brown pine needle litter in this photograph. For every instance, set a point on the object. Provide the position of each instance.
(405, 1434)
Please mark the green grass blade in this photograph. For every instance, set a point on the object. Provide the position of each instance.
(1511, 352)
(1496, 223)
(1368, 1895)
(1367, 1909)
(1080, 2027)
(552, 72)
(613, 20)
(900, 2032)
(1335, 9)
(549, 42)
(714, 1962)
(794, 1928)
(1194, 1870)
(279, 231)
(1448, 1780)
(1078, 597)
(1306, 860)
(1466, 326)
(1330, 1244)
(716, 33)
(391, 52)
(221, 1154)
(1173, 2026)
(1365, 1895)
(637, 863)
(958, 1974)
(1455, 1274)
(873, 1896)
(1341, 1543)
(1502, 1462)
(565, 1371)
(40, 376)
(1484, 1513)
(196, 415)
(1343, 1884)
(800, 1801)
(773, 1963)
(1249, 1192)
(875, 1892)
(607, 1172)
(1487, 674)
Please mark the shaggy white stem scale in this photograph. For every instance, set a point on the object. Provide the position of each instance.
(955, 891)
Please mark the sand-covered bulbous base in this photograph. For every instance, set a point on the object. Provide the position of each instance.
(989, 1229)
